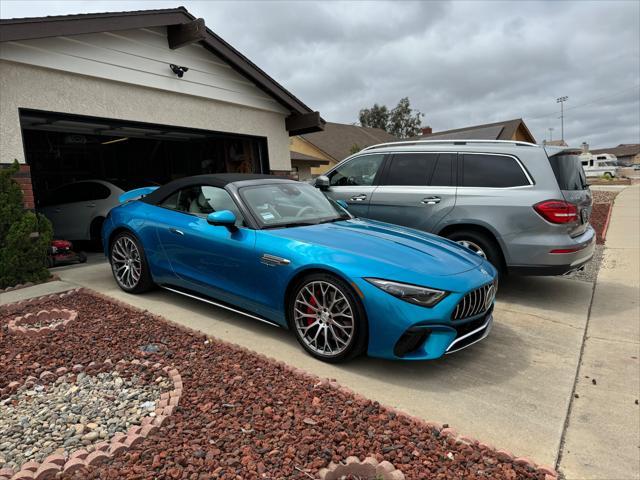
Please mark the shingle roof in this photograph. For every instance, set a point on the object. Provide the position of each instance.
(622, 150)
(489, 131)
(61, 25)
(302, 158)
(338, 139)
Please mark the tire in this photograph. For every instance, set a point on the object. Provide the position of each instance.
(125, 249)
(488, 247)
(82, 257)
(95, 233)
(323, 287)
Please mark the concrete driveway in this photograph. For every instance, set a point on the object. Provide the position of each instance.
(512, 390)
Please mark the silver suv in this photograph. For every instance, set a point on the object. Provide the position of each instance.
(524, 207)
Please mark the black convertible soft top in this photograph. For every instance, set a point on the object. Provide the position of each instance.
(215, 180)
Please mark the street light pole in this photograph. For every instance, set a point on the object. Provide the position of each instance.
(551, 134)
(561, 101)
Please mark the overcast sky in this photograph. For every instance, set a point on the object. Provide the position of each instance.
(460, 63)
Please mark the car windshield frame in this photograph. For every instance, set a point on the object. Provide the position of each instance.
(339, 214)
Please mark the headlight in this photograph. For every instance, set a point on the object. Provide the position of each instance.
(423, 296)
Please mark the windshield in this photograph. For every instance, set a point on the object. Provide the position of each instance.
(291, 204)
(568, 171)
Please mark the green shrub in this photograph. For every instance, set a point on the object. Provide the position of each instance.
(11, 206)
(24, 236)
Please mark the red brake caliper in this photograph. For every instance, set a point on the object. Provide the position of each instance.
(314, 302)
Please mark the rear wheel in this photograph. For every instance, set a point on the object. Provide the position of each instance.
(328, 319)
(95, 232)
(480, 244)
(129, 264)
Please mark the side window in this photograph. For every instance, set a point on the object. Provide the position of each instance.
(358, 171)
(411, 169)
(202, 200)
(495, 171)
(98, 191)
(80, 192)
(443, 173)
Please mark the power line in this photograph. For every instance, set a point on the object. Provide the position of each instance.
(591, 102)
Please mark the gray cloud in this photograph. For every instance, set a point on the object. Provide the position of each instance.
(461, 63)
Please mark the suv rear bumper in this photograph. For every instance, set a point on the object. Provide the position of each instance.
(561, 263)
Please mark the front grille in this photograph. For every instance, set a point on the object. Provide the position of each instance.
(475, 302)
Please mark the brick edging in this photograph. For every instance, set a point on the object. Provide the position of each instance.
(368, 469)
(55, 464)
(64, 315)
(605, 227)
(445, 431)
(12, 307)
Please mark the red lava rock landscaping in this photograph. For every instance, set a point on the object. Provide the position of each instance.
(599, 220)
(240, 415)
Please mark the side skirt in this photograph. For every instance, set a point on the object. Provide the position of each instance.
(221, 305)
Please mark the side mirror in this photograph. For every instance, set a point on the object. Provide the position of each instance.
(222, 218)
(323, 182)
(343, 204)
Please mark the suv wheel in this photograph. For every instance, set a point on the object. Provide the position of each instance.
(480, 244)
(327, 318)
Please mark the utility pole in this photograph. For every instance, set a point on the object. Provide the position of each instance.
(561, 101)
(551, 134)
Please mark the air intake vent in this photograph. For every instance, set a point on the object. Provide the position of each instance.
(475, 302)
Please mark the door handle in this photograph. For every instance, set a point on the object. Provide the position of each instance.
(90, 205)
(430, 200)
(358, 198)
(176, 231)
(57, 210)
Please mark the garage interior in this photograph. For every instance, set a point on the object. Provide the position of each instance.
(63, 148)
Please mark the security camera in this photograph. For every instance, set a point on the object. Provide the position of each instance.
(178, 70)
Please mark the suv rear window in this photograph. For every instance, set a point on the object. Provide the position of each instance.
(494, 171)
(568, 171)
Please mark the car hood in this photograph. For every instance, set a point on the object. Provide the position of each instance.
(402, 247)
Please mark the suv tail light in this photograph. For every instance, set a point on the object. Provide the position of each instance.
(557, 211)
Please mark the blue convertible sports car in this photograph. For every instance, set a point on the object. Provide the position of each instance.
(280, 252)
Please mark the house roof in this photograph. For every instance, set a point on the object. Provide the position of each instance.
(489, 131)
(307, 159)
(622, 150)
(14, 29)
(339, 139)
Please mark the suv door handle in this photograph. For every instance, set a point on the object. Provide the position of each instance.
(176, 231)
(91, 205)
(358, 198)
(430, 200)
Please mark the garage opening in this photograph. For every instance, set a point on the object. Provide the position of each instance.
(89, 161)
(62, 148)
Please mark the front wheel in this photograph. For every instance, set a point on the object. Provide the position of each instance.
(129, 264)
(328, 319)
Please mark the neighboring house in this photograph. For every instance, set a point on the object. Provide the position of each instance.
(138, 97)
(555, 143)
(336, 142)
(302, 165)
(626, 153)
(508, 130)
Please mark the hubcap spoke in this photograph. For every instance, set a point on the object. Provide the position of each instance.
(324, 318)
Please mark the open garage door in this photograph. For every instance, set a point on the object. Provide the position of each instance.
(88, 161)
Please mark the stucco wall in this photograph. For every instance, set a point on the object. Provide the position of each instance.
(297, 144)
(25, 86)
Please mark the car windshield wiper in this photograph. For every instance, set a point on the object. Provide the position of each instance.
(331, 220)
(291, 224)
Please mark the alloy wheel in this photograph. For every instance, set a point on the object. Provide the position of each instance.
(474, 247)
(126, 262)
(324, 318)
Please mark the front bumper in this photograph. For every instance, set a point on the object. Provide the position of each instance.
(399, 330)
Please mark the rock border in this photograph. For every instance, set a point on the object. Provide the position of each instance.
(56, 463)
(64, 315)
(368, 469)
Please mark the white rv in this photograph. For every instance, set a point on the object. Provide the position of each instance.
(603, 164)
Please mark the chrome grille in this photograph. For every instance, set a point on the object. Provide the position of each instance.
(475, 302)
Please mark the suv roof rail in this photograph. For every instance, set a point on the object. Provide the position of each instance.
(452, 142)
